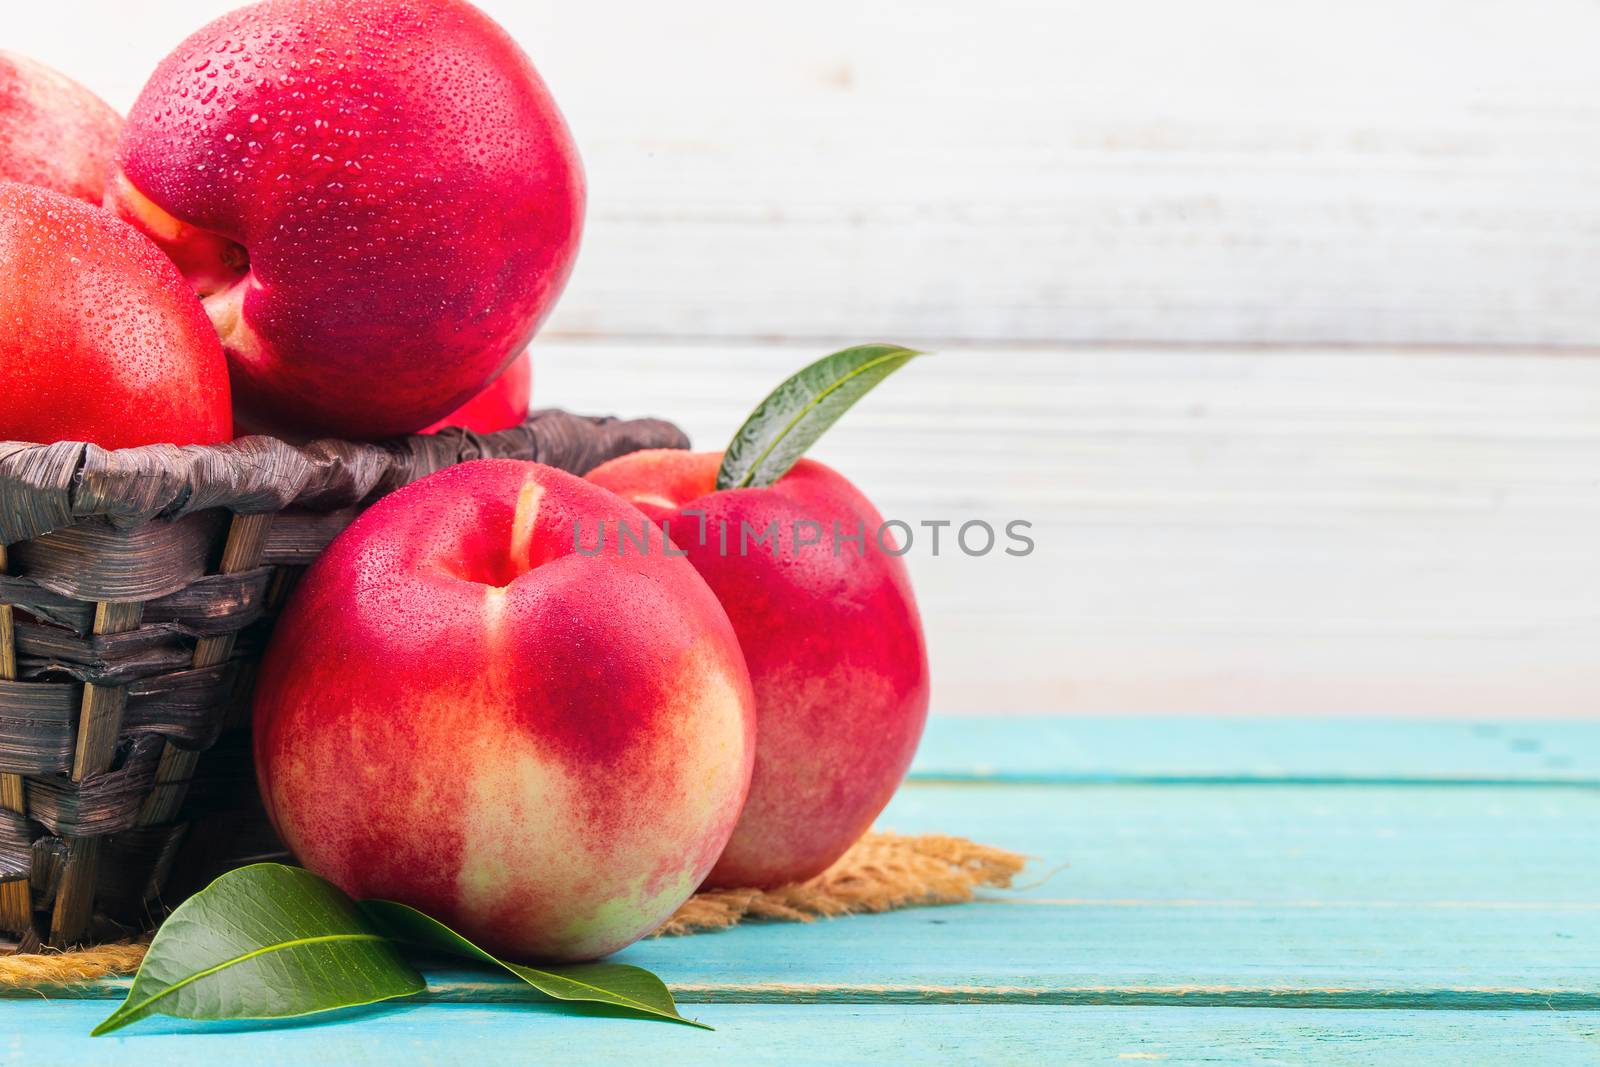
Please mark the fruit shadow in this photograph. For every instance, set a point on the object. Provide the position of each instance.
(500, 988)
(533, 1004)
(166, 1026)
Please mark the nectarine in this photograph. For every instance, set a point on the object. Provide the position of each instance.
(54, 133)
(377, 201)
(459, 710)
(831, 635)
(502, 404)
(101, 340)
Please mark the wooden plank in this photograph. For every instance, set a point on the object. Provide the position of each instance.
(1250, 895)
(1218, 532)
(1366, 173)
(1241, 895)
(787, 1034)
(1043, 748)
(1240, 171)
(1301, 847)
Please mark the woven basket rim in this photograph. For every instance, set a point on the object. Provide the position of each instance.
(46, 487)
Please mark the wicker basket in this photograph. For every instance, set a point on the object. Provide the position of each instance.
(136, 590)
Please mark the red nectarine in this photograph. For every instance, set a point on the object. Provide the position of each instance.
(53, 132)
(459, 710)
(100, 338)
(832, 638)
(378, 202)
(502, 404)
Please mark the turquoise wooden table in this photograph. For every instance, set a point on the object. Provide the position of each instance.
(1202, 891)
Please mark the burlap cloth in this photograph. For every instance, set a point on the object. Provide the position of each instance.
(882, 872)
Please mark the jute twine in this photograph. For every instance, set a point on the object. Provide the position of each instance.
(882, 872)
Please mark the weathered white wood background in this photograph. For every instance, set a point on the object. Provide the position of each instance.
(1278, 318)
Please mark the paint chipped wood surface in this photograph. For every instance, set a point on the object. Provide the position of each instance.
(1202, 890)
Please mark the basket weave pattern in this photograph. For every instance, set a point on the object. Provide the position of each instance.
(137, 588)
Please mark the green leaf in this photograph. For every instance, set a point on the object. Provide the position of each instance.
(617, 985)
(796, 413)
(264, 942)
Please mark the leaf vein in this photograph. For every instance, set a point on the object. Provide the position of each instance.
(750, 474)
(130, 1009)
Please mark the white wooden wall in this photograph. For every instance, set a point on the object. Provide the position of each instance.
(1278, 318)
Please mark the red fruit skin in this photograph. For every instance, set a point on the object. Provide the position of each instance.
(545, 749)
(378, 201)
(502, 405)
(833, 642)
(102, 340)
(54, 133)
